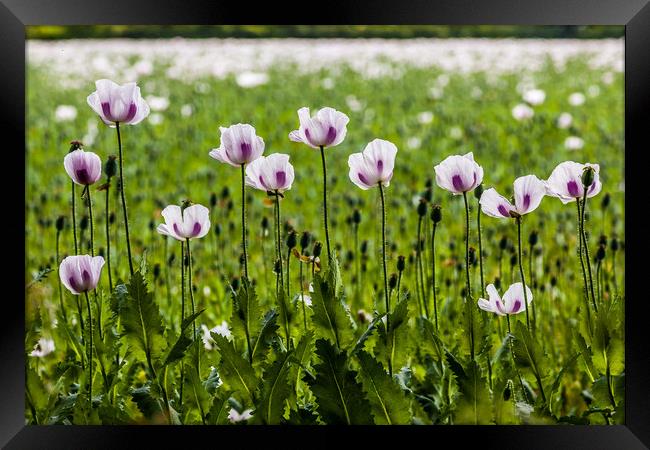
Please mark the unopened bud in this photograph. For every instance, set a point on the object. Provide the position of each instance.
(318, 247)
(305, 240)
(364, 247)
(292, 239)
(110, 167)
(225, 192)
(600, 253)
(472, 256)
(75, 145)
(277, 267)
(513, 260)
(422, 207)
(265, 223)
(428, 195)
(235, 283)
(111, 218)
(588, 174)
(614, 245)
(401, 263)
(356, 216)
(497, 283)
(156, 270)
(213, 200)
(217, 229)
(503, 243)
(436, 213)
(60, 222)
(532, 238)
(605, 201)
(478, 191)
(83, 224)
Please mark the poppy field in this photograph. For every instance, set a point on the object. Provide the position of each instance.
(325, 232)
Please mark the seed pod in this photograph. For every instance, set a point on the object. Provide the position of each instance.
(428, 194)
(213, 200)
(503, 243)
(533, 238)
(292, 239)
(422, 208)
(588, 174)
(83, 224)
(605, 201)
(217, 229)
(60, 222)
(613, 245)
(277, 267)
(356, 216)
(305, 239)
(401, 263)
(364, 247)
(436, 213)
(472, 256)
(478, 191)
(318, 247)
(156, 270)
(392, 281)
(110, 167)
(600, 253)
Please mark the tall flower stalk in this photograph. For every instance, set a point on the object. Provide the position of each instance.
(436, 217)
(468, 284)
(59, 227)
(243, 218)
(477, 194)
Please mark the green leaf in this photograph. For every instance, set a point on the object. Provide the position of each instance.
(528, 354)
(397, 345)
(607, 346)
(558, 378)
(388, 402)
(220, 409)
(262, 341)
(274, 390)
(585, 352)
(141, 320)
(331, 319)
(246, 312)
(366, 334)
(148, 405)
(177, 352)
(234, 370)
(299, 360)
(340, 396)
(474, 405)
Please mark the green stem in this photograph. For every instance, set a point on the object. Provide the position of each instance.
(521, 272)
(433, 274)
(468, 294)
(302, 297)
(327, 234)
(65, 316)
(89, 350)
(383, 258)
(586, 246)
(182, 316)
(280, 276)
(108, 241)
(189, 280)
(582, 264)
(243, 218)
(122, 195)
(480, 251)
(418, 258)
(532, 283)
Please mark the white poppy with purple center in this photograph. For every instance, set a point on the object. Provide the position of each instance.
(565, 181)
(529, 192)
(193, 222)
(458, 174)
(118, 104)
(80, 273)
(512, 301)
(83, 167)
(270, 173)
(239, 145)
(374, 165)
(326, 129)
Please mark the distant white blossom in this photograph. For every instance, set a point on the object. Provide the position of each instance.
(252, 79)
(65, 113)
(564, 120)
(43, 348)
(576, 99)
(534, 96)
(522, 112)
(425, 117)
(574, 143)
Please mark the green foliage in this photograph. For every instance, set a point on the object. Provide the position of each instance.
(395, 345)
(235, 371)
(274, 390)
(340, 397)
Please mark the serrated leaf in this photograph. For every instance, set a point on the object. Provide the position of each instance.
(274, 390)
(585, 352)
(246, 312)
(607, 347)
(388, 403)
(397, 344)
(262, 341)
(220, 409)
(340, 397)
(558, 378)
(299, 361)
(528, 354)
(234, 370)
(147, 404)
(366, 334)
(331, 319)
(474, 405)
(141, 320)
(177, 351)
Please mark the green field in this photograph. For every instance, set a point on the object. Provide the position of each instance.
(563, 372)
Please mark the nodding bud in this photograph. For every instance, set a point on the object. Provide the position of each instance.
(497, 283)
(356, 216)
(225, 192)
(532, 238)
(401, 263)
(503, 243)
(265, 223)
(422, 207)
(110, 167)
(364, 247)
(156, 270)
(277, 267)
(605, 201)
(60, 222)
(83, 224)
(602, 240)
(318, 246)
(75, 145)
(613, 245)
(217, 229)
(600, 254)
(392, 281)
(234, 283)
(305, 240)
(436, 213)
(472, 256)
(292, 239)
(428, 194)
(478, 191)
(587, 176)
(213, 200)
(513, 260)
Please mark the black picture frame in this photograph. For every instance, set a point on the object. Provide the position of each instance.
(633, 14)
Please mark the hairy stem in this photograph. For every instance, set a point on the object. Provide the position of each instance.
(327, 233)
(123, 196)
(383, 258)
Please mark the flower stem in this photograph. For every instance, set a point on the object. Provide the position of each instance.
(280, 274)
(480, 251)
(383, 258)
(420, 271)
(74, 221)
(468, 294)
(532, 283)
(433, 274)
(90, 349)
(243, 218)
(302, 297)
(108, 242)
(586, 247)
(521, 272)
(191, 289)
(582, 264)
(65, 316)
(327, 234)
(180, 328)
(122, 194)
